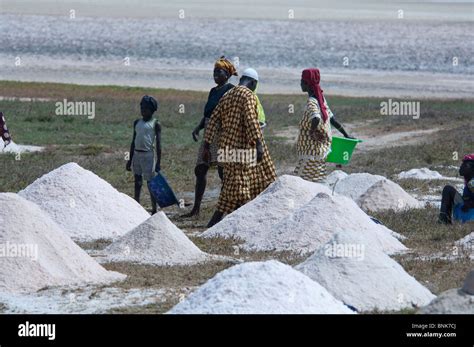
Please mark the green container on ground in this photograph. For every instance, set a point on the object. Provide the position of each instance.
(341, 150)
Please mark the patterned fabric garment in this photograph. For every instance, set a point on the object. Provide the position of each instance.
(312, 170)
(312, 153)
(4, 133)
(235, 119)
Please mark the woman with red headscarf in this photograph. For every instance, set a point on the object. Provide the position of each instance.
(314, 140)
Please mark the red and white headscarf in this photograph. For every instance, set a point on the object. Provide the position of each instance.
(312, 78)
(4, 133)
(468, 157)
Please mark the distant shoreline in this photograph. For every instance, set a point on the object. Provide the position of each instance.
(351, 83)
(36, 91)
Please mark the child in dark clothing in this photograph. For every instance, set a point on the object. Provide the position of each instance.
(146, 132)
(451, 197)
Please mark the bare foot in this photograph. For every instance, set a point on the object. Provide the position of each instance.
(193, 213)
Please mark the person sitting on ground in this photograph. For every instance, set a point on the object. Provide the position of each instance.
(451, 198)
(146, 131)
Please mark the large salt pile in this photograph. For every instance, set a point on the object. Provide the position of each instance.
(354, 185)
(36, 253)
(84, 205)
(387, 195)
(282, 197)
(315, 223)
(156, 241)
(373, 192)
(454, 301)
(260, 288)
(363, 276)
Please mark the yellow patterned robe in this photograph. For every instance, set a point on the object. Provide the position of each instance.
(312, 153)
(235, 118)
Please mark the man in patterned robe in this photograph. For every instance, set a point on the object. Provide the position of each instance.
(236, 120)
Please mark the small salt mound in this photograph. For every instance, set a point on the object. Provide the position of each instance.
(334, 177)
(260, 288)
(315, 223)
(454, 301)
(354, 185)
(387, 195)
(156, 241)
(362, 276)
(84, 205)
(467, 242)
(36, 253)
(420, 174)
(276, 202)
(16, 149)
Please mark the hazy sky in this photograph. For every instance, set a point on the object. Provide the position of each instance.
(272, 9)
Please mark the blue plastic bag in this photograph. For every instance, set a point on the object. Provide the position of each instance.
(459, 215)
(162, 191)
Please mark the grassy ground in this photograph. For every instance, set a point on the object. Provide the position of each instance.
(100, 145)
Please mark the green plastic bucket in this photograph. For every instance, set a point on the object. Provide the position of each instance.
(341, 150)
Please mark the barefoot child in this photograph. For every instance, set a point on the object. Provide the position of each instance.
(146, 131)
(451, 197)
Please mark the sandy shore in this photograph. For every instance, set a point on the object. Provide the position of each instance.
(273, 81)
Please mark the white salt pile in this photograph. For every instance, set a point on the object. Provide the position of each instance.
(282, 197)
(420, 174)
(312, 225)
(15, 148)
(467, 244)
(425, 174)
(454, 301)
(36, 253)
(84, 205)
(387, 195)
(156, 241)
(260, 288)
(374, 192)
(354, 185)
(362, 276)
(334, 177)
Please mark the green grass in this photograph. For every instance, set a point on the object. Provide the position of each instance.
(100, 144)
